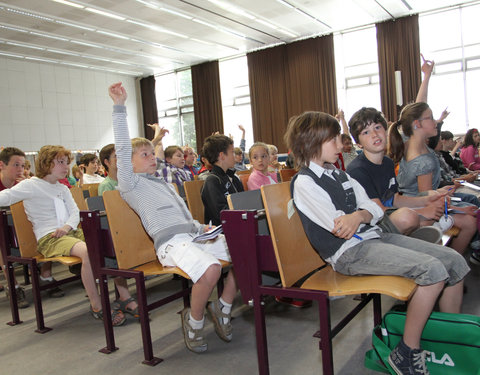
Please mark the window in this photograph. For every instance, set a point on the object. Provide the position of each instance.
(175, 107)
(236, 99)
(357, 70)
(450, 38)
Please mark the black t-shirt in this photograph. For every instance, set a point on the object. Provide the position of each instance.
(379, 181)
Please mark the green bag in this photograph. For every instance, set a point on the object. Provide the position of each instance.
(452, 339)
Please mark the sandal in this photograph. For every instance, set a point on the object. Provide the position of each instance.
(118, 319)
(122, 306)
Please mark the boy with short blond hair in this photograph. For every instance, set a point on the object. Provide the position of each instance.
(167, 220)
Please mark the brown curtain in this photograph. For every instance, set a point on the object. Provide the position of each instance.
(207, 100)
(398, 49)
(288, 80)
(149, 104)
(266, 76)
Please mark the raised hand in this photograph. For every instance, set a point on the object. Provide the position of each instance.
(117, 93)
(444, 115)
(160, 131)
(427, 66)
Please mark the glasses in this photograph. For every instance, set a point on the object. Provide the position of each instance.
(426, 118)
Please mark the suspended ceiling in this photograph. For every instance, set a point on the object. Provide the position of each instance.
(144, 37)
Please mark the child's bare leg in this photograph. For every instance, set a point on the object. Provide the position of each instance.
(80, 250)
(202, 290)
(419, 309)
(451, 299)
(230, 287)
(405, 219)
(46, 270)
(122, 287)
(468, 227)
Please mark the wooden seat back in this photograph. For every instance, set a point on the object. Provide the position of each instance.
(287, 174)
(78, 197)
(295, 255)
(27, 242)
(193, 192)
(133, 246)
(92, 189)
(244, 178)
(246, 171)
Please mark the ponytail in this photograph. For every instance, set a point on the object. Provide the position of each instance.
(395, 145)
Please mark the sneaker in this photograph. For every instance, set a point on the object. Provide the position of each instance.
(193, 337)
(406, 361)
(298, 303)
(475, 257)
(53, 292)
(222, 329)
(430, 234)
(445, 223)
(21, 299)
(475, 245)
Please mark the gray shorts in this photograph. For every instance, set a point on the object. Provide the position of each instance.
(395, 254)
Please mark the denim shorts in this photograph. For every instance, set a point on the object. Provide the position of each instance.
(395, 254)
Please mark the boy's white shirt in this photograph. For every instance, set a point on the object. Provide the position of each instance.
(314, 202)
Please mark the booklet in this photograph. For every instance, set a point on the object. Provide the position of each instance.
(210, 235)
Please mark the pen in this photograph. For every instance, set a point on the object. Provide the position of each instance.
(210, 224)
(357, 237)
(446, 207)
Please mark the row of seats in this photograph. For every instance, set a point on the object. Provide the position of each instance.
(261, 237)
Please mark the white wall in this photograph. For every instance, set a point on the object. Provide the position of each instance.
(43, 103)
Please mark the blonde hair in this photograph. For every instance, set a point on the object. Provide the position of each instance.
(139, 142)
(272, 149)
(258, 144)
(46, 156)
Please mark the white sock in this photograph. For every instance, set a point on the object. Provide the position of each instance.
(195, 324)
(226, 308)
(50, 278)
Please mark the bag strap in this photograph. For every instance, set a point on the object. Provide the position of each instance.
(377, 358)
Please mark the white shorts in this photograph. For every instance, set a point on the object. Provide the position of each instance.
(191, 257)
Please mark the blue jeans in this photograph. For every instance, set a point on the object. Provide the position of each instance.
(399, 255)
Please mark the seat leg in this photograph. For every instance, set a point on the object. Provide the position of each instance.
(261, 336)
(186, 296)
(37, 298)
(377, 309)
(325, 334)
(26, 278)
(9, 274)
(145, 322)
(107, 316)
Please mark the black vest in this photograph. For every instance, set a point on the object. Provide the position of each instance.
(323, 241)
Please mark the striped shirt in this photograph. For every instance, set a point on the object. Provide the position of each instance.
(161, 210)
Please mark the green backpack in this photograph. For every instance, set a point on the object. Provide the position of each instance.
(452, 339)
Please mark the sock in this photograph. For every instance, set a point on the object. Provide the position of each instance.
(226, 308)
(195, 324)
(50, 278)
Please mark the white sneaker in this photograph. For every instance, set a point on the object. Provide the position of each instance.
(444, 224)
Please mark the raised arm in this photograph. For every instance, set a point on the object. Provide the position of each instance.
(123, 145)
(427, 69)
(157, 140)
(340, 116)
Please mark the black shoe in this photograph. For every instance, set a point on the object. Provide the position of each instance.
(76, 269)
(406, 361)
(53, 292)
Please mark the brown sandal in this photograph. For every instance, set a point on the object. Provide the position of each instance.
(118, 319)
